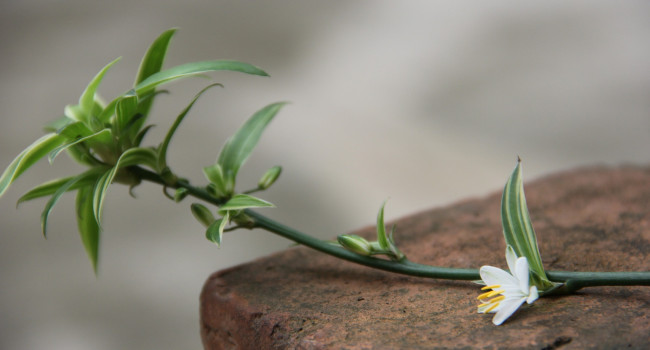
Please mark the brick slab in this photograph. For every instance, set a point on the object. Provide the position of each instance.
(590, 219)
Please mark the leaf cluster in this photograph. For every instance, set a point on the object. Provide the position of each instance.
(107, 138)
(384, 245)
(222, 176)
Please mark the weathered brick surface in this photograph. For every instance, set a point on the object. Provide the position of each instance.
(595, 219)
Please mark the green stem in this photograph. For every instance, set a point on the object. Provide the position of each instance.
(572, 280)
(577, 280)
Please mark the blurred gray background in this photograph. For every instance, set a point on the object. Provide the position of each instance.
(422, 102)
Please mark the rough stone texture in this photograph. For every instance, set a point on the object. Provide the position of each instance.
(595, 219)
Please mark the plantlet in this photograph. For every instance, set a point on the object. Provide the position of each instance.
(108, 139)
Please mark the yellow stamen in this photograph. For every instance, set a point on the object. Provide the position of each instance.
(490, 294)
(491, 308)
(498, 299)
(494, 286)
(492, 301)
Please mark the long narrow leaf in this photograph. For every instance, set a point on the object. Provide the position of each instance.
(162, 150)
(382, 237)
(45, 189)
(125, 109)
(194, 68)
(61, 148)
(242, 143)
(132, 156)
(155, 56)
(141, 134)
(152, 63)
(517, 227)
(99, 193)
(89, 230)
(87, 99)
(244, 201)
(27, 158)
(50, 187)
(74, 130)
(85, 178)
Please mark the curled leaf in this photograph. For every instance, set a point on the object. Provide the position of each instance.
(162, 150)
(28, 157)
(85, 179)
(214, 233)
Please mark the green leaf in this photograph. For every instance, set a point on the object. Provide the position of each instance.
(154, 58)
(518, 229)
(109, 110)
(214, 233)
(99, 192)
(45, 189)
(61, 148)
(132, 156)
(202, 214)
(152, 63)
(382, 238)
(74, 130)
(50, 187)
(75, 112)
(269, 178)
(85, 179)
(192, 69)
(125, 109)
(244, 201)
(87, 224)
(58, 124)
(239, 147)
(139, 156)
(141, 134)
(87, 99)
(214, 174)
(27, 158)
(162, 150)
(386, 242)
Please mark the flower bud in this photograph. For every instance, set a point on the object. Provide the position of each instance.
(269, 177)
(355, 244)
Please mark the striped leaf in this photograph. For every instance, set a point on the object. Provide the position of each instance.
(27, 158)
(518, 229)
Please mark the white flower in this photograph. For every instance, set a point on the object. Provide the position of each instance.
(508, 291)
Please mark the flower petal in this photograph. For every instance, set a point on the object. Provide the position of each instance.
(506, 309)
(521, 273)
(495, 276)
(532, 295)
(511, 258)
